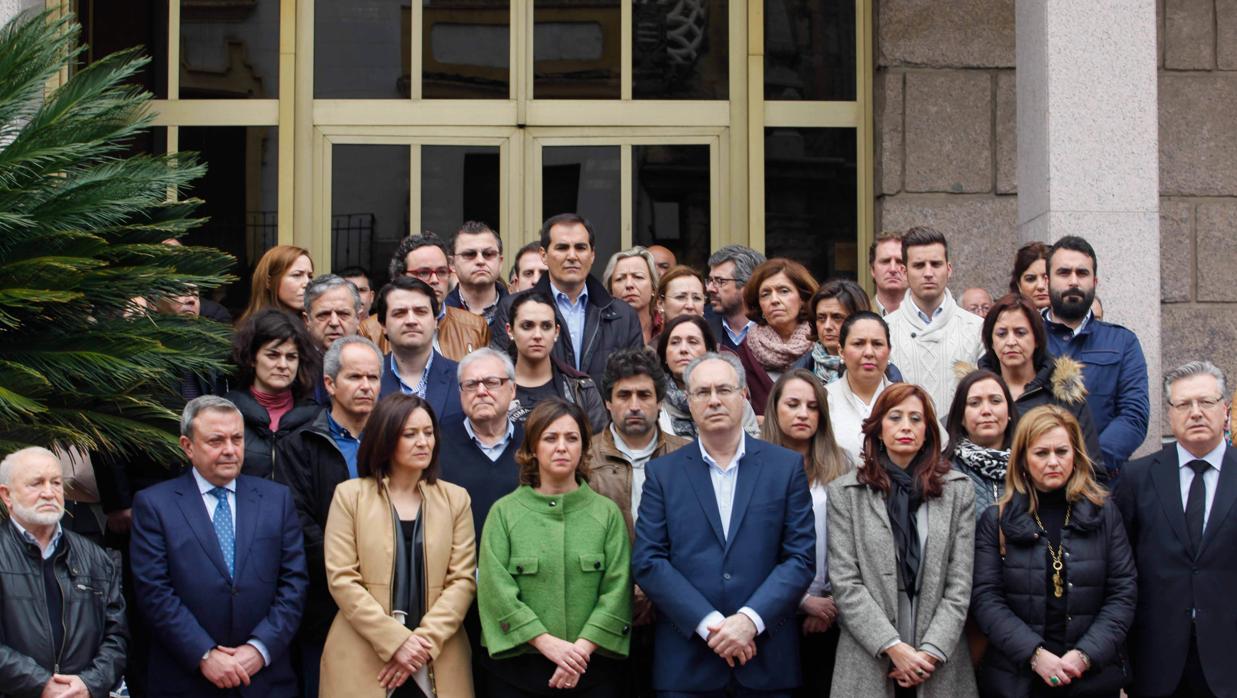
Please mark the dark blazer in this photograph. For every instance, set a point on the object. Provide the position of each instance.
(1173, 586)
(190, 602)
(719, 333)
(443, 392)
(688, 568)
(485, 480)
(1009, 598)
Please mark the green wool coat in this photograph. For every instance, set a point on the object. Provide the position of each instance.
(554, 564)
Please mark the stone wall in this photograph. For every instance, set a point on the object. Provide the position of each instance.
(946, 149)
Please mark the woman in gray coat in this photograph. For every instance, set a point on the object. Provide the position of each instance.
(901, 536)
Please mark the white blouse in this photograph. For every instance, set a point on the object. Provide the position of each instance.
(847, 412)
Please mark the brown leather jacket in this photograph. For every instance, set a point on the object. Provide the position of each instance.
(610, 471)
(459, 333)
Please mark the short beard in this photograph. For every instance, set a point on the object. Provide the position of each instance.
(1071, 310)
(35, 517)
(626, 429)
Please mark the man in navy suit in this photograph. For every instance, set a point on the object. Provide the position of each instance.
(724, 548)
(407, 309)
(219, 567)
(1179, 512)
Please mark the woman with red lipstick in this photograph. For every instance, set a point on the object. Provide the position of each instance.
(777, 298)
(901, 543)
(631, 276)
(798, 419)
(1030, 276)
(981, 427)
(1054, 574)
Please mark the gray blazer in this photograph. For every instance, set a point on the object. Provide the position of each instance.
(863, 573)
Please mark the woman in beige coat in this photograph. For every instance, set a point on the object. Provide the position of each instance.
(901, 545)
(400, 562)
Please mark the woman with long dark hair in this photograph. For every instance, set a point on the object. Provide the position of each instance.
(684, 338)
(901, 544)
(981, 426)
(1029, 278)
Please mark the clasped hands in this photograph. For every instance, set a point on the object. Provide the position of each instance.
(407, 660)
(821, 612)
(571, 658)
(229, 667)
(1065, 668)
(911, 667)
(734, 639)
(65, 686)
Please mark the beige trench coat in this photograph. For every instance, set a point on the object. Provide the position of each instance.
(360, 559)
(863, 573)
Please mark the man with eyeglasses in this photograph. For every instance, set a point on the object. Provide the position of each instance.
(482, 450)
(725, 548)
(1178, 510)
(424, 257)
(729, 269)
(476, 255)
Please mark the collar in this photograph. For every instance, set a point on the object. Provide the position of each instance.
(424, 373)
(737, 337)
(738, 455)
(919, 311)
(1086, 320)
(499, 292)
(560, 297)
(338, 430)
(442, 311)
(635, 453)
(205, 487)
(472, 434)
(1215, 458)
(29, 538)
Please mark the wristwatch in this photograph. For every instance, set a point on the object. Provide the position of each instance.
(207, 655)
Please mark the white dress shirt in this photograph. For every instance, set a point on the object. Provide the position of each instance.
(1211, 478)
(820, 583)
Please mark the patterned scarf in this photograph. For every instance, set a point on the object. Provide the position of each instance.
(826, 366)
(772, 352)
(675, 405)
(989, 463)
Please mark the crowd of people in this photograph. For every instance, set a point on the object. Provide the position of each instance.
(659, 481)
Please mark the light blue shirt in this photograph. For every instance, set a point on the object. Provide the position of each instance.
(492, 452)
(29, 538)
(724, 482)
(737, 338)
(1075, 331)
(212, 503)
(924, 316)
(574, 315)
(421, 386)
(347, 443)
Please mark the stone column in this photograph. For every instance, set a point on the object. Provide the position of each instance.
(1088, 158)
(11, 8)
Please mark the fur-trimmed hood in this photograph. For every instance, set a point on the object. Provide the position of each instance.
(1062, 376)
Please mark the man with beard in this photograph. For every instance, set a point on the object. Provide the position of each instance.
(633, 387)
(73, 644)
(476, 255)
(1116, 372)
(729, 269)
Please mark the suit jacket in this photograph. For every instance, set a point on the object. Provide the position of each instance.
(442, 393)
(187, 597)
(1173, 586)
(688, 568)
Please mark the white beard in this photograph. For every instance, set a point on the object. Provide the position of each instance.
(36, 517)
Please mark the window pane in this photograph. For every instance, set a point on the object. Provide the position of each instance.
(240, 192)
(576, 52)
(111, 25)
(585, 180)
(458, 183)
(680, 50)
(670, 185)
(229, 49)
(369, 205)
(810, 49)
(466, 49)
(811, 198)
(362, 49)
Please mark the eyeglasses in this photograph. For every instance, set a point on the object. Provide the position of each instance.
(491, 383)
(719, 281)
(1203, 404)
(425, 273)
(487, 255)
(723, 391)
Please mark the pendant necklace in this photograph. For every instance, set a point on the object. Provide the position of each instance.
(1058, 588)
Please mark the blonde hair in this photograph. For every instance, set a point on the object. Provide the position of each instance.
(1033, 425)
(268, 275)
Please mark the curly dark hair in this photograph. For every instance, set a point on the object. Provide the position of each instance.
(628, 363)
(272, 324)
(399, 259)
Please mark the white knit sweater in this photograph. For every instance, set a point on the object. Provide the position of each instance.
(926, 354)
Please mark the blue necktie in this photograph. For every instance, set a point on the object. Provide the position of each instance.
(223, 528)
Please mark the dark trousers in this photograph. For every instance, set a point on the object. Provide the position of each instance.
(732, 690)
(817, 652)
(528, 675)
(1193, 682)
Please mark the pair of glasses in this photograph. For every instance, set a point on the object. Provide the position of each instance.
(1203, 404)
(487, 255)
(491, 383)
(427, 272)
(723, 391)
(719, 281)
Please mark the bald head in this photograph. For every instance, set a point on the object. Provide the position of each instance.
(976, 300)
(664, 258)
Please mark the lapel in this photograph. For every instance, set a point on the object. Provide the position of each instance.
(1225, 496)
(248, 509)
(194, 510)
(749, 475)
(435, 393)
(1167, 484)
(697, 472)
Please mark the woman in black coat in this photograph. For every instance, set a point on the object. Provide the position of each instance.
(1054, 587)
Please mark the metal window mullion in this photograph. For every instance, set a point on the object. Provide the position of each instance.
(415, 46)
(414, 189)
(173, 75)
(626, 214)
(625, 50)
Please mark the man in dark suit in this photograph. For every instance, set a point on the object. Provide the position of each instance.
(406, 308)
(1178, 506)
(219, 567)
(724, 549)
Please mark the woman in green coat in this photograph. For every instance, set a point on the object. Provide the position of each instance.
(554, 569)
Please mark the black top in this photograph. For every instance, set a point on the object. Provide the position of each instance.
(486, 481)
(1052, 509)
(529, 397)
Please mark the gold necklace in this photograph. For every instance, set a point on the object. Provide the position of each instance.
(1058, 589)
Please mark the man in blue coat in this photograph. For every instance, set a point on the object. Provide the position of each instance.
(724, 549)
(407, 309)
(219, 568)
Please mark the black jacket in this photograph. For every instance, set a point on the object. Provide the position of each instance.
(96, 632)
(259, 440)
(311, 465)
(609, 325)
(1009, 597)
(578, 389)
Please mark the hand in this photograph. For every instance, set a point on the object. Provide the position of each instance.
(222, 668)
(642, 609)
(63, 686)
(563, 678)
(734, 638)
(1073, 665)
(120, 521)
(822, 609)
(1048, 666)
(393, 675)
(413, 654)
(249, 657)
(910, 668)
(812, 624)
(565, 655)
